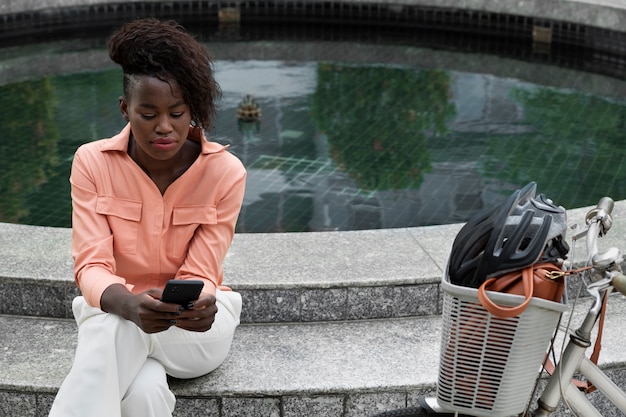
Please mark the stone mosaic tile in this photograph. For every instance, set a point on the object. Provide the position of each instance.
(370, 303)
(195, 407)
(13, 404)
(416, 300)
(10, 298)
(251, 407)
(44, 300)
(31, 298)
(323, 304)
(71, 293)
(276, 305)
(367, 404)
(328, 406)
(44, 404)
(413, 396)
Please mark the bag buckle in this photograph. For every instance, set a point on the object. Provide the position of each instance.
(558, 274)
(555, 274)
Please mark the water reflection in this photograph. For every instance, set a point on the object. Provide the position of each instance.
(339, 146)
(28, 149)
(377, 120)
(573, 142)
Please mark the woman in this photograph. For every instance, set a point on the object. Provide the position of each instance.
(155, 202)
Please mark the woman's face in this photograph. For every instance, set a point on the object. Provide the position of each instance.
(158, 115)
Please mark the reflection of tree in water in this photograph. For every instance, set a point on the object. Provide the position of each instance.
(28, 146)
(577, 144)
(377, 119)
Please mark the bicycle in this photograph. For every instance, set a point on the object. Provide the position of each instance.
(601, 275)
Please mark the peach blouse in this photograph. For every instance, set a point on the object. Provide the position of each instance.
(124, 231)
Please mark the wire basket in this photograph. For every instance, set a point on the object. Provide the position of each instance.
(488, 365)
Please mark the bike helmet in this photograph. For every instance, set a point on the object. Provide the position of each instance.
(513, 235)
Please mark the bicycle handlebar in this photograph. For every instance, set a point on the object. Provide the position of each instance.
(606, 205)
(601, 215)
(599, 221)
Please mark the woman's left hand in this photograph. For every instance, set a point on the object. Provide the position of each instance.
(200, 316)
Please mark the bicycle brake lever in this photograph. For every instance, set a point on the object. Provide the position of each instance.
(605, 259)
(594, 288)
(580, 234)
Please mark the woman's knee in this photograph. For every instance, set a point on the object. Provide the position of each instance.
(149, 393)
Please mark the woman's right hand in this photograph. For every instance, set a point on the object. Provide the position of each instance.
(145, 309)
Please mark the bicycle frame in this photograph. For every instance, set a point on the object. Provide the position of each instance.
(573, 361)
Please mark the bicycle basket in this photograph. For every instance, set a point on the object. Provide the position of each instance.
(488, 365)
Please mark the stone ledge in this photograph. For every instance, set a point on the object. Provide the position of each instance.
(343, 369)
(318, 260)
(282, 277)
(264, 261)
(316, 369)
(299, 277)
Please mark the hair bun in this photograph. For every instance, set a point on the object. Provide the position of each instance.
(164, 49)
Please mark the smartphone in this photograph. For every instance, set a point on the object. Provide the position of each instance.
(182, 291)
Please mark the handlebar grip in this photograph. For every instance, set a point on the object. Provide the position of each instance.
(602, 214)
(619, 283)
(606, 204)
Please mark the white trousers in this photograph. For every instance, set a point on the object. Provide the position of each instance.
(120, 371)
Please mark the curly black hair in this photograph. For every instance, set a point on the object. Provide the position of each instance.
(165, 50)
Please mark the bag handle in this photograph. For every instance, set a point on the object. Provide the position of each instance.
(505, 312)
(544, 270)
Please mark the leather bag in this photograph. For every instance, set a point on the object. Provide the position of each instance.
(544, 280)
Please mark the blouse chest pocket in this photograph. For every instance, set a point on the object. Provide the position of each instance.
(185, 221)
(123, 217)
